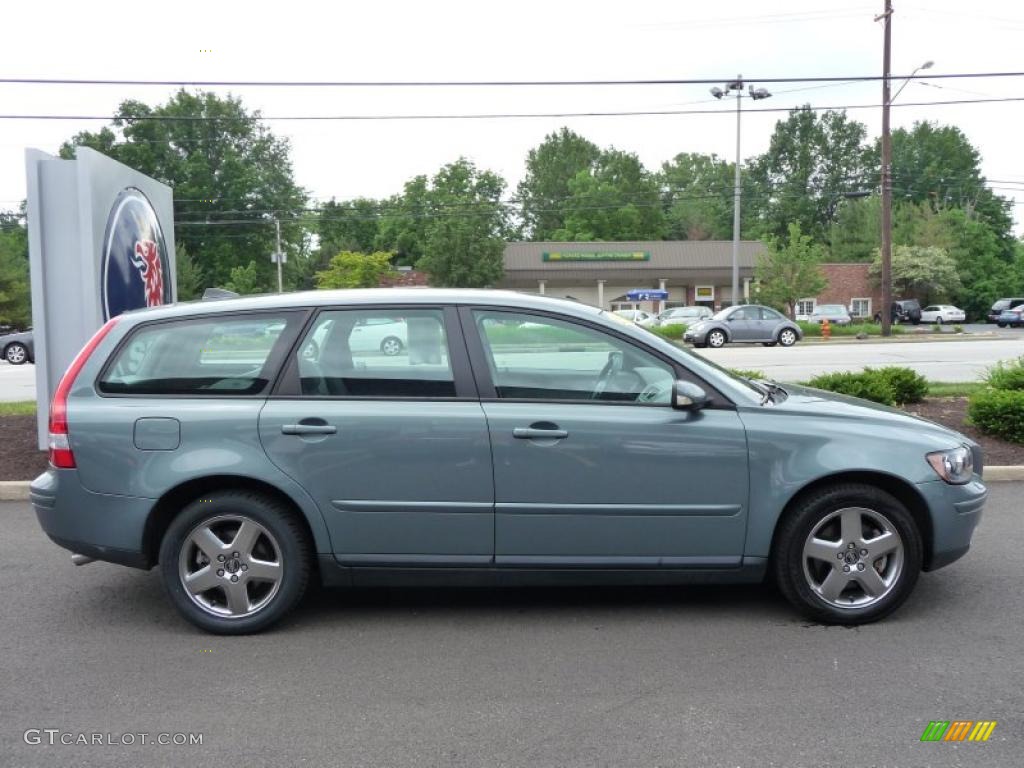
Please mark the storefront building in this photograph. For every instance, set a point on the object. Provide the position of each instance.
(692, 272)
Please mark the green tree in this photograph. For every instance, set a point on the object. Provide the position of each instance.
(616, 200)
(550, 167)
(224, 165)
(926, 272)
(190, 279)
(811, 162)
(351, 225)
(245, 280)
(697, 190)
(15, 302)
(789, 270)
(403, 224)
(350, 269)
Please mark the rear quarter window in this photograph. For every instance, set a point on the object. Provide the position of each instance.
(217, 355)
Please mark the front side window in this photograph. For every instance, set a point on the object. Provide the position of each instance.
(540, 358)
(218, 355)
(376, 353)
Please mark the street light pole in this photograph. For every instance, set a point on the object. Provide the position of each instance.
(756, 94)
(886, 179)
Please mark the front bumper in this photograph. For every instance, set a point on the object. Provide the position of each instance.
(955, 512)
(103, 526)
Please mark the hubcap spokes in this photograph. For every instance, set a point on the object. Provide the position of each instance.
(853, 558)
(15, 355)
(230, 566)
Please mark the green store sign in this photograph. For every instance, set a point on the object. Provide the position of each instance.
(596, 256)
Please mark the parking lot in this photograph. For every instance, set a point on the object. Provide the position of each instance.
(722, 676)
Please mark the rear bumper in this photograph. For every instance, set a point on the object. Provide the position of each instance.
(103, 526)
(955, 512)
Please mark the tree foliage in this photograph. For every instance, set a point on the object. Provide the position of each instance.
(789, 270)
(550, 168)
(924, 271)
(15, 304)
(351, 269)
(351, 225)
(225, 166)
(697, 190)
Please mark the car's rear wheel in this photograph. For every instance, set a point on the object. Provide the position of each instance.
(391, 346)
(235, 562)
(16, 353)
(848, 554)
(1001, 325)
(938, 320)
(716, 339)
(787, 337)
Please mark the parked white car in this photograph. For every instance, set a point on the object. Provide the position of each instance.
(683, 316)
(638, 316)
(942, 313)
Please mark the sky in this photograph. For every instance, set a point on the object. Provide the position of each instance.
(525, 40)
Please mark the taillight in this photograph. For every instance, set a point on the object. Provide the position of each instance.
(60, 443)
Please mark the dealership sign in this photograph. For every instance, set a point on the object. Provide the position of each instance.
(101, 242)
(596, 256)
(647, 294)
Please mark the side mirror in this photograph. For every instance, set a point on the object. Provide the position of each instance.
(687, 396)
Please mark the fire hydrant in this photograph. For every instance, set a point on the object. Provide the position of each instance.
(826, 329)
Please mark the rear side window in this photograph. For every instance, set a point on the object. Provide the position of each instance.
(213, 356)
(376, 353)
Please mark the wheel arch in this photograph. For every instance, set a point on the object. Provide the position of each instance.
(897, 487)
(175, 499)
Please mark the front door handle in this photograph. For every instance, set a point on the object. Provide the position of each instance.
(533, 433)
(308, 429)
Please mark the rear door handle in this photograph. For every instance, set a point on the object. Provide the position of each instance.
(308, 429)
(532, 433)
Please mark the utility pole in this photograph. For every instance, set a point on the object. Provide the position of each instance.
(279, 256)
(886, 174)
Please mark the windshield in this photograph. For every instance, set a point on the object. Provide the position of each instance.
(830, 309)
(722, 313)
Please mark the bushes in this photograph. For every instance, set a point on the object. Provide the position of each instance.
(998, 409)
(674, 332)
(747, 373)
(889, 386)
(853, 329)
(998, 412)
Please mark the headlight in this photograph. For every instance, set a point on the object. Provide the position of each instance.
(955, 466)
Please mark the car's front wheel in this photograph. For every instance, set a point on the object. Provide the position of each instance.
(787, 337)
(235, 562)
(848, 554)
(939, 320)
(716, 339)
(16, 354)
(391, 346)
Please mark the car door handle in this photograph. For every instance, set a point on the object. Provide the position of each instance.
(308, 429)
(533, 433)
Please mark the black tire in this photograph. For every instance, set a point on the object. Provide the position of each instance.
(16, 353)
(787, 339)
(938, 320)
(295, 557)
(391, 346)
(806, 515)
(717, 334)
(1001, 325)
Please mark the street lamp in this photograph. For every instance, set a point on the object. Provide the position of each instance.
(735, 87)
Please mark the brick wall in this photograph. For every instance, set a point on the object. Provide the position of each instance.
(847, 282)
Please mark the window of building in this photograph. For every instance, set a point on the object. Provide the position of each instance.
(225, 355)
(539, 358)
(376, 353)
(805, 306)
(860, 307)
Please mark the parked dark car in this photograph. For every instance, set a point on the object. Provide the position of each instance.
(903, 311)
(1000, 306)
(18, 348)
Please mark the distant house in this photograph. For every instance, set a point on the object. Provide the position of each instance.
(849, 285)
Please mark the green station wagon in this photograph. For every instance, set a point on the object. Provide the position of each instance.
(246, 446)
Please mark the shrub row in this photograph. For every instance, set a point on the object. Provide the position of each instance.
(892, 385)
(853, 329)
(674, 332)
(998, 409)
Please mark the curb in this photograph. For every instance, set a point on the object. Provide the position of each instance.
(17, 490)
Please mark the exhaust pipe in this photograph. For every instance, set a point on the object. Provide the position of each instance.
(77, 559)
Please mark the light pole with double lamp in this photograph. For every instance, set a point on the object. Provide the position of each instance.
(735, 89)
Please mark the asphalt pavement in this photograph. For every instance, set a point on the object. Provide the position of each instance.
(708, 676)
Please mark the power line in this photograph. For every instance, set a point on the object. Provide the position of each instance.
(503, 115)
(476, 83)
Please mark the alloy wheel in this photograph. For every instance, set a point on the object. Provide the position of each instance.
(787, 338)
(853, 558)
(716, 339)
(230, 566)
(16, 354)
(391, 346)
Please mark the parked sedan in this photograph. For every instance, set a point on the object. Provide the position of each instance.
(1013, 318)
(942, 313)
(750, 323)
(836, 314)
(683, 316)
(18, 348)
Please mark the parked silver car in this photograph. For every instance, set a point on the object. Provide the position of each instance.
(749, 323)
(18, 348)
(683, 316)
(836, 314)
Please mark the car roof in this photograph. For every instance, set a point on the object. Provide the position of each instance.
(366, 296)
